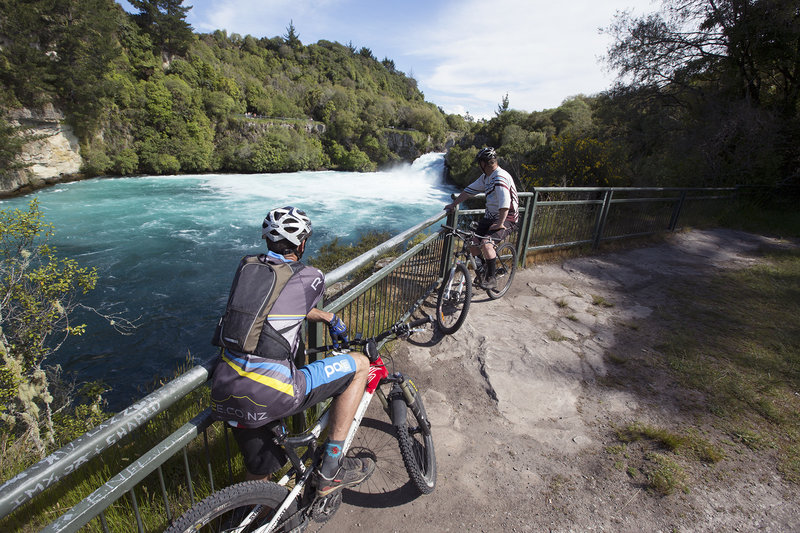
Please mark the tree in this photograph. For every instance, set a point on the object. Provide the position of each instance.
(38, 292)
(165, 22)
(751, 47)
(517, 148)
(502, 107)
(291, 37)
(12, 139)
(725, 74)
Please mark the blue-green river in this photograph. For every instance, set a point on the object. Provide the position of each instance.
(166, 249)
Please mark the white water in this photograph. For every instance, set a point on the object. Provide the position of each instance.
(166, 249)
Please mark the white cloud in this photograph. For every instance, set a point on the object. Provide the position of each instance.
(539, 52)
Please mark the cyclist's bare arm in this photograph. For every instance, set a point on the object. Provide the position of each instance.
(460, 198)
(318, 315)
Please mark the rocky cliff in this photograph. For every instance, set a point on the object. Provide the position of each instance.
(53, 157)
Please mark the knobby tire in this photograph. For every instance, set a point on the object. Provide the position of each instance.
(452, 305)
(506, 269)
(223, 510)
(416, 444)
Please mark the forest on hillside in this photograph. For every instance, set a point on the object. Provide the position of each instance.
(145, 94)
(707, 96)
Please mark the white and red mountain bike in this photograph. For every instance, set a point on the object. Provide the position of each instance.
(292, 503)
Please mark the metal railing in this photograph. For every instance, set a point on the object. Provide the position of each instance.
(370, 297)
(558, 217)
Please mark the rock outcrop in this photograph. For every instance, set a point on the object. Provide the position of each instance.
(52, 157)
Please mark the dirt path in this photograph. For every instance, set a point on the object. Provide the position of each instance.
(523, 413)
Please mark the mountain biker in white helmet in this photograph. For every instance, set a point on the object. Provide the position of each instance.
(250, 392)
(502, 209)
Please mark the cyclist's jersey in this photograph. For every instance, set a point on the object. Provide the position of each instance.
(501, 193)
(251, 390)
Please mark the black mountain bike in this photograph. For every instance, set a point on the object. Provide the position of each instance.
(455, 294)
(290, 504)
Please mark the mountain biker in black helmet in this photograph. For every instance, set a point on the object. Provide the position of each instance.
(502, 209)
(250, 392)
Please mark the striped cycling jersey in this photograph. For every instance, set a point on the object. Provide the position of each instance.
(501, 193)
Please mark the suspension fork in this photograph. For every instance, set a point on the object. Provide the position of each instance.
(397, 410)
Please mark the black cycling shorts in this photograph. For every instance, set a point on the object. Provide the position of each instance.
(262, 456)
(486, 223)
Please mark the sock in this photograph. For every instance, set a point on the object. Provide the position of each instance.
(331, 458)
(491, 267)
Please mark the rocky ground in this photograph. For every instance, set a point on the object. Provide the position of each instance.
(524, 400)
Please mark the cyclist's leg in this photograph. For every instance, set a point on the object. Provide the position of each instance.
(345, 405)
(490, 253)
(478, 247)
(262, 457)
(344, 378)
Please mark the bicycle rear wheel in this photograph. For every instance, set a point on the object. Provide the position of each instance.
(454, 298)
(242, 508)
(506, 269)
(416, 442)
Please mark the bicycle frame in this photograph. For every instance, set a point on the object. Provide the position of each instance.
(401, 403)
(378, 375)
(465, 251)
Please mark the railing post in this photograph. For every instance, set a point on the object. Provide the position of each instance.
(677, 211)
(601, 218)
(526, 228)
(447, 249)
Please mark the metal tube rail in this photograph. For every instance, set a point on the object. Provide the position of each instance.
(125, 481)
(69, 458)
(338, 274)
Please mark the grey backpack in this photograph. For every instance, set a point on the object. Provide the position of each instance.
(244, 327)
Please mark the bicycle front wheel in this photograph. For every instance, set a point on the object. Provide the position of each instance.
(243, 507)
(506, 269)
(454, 299)
(416, 442)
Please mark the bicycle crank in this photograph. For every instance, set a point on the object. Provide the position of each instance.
(324, 508)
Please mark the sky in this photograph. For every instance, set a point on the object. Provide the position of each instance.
(465, 55)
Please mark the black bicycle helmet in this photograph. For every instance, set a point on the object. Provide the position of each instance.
(486, 154)
(287, 223)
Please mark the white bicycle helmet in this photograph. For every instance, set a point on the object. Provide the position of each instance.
(287, 223)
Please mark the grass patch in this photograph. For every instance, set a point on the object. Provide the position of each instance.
(737, 340)
(662, 456)
(600, 301)
(756, 218)
(662, 437)
(616, 359)
(665, 475)
(555, 335)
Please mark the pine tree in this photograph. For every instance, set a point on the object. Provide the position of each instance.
(165, 22)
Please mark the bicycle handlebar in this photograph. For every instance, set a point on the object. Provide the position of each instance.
(395, 329)
(466, 234)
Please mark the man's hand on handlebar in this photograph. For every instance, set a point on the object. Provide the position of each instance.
(338, 331)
